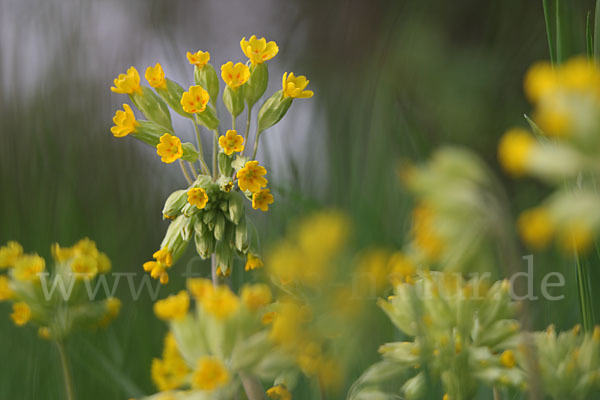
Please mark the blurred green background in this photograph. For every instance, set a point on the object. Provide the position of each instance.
(393, 80)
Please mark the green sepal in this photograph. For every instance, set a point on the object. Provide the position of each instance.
(257, 84)
(234, 100)
(225, 164)
(152, 106)
(150, 132)
(189, 152)
(273, 110)
(172, 96)
(208, 117)
(205, 243)
(236, 208)
(175, 203)
(208, 79)
(241, 236)
(219, 229)
(224, 255)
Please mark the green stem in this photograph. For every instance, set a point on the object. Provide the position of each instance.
(64, 362)
(185, 173)
(546, 5)
(248, 119)
(200, 151)
(232, 122)
(215, 153)
(213, 269)
(252, 387)
(585, 295)
(193, 169)
(561, 31)
(255, 149)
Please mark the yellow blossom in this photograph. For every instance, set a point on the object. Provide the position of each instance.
(220, 302)
(210, 374)
(104, 264)
(401, 269)
(514, 151)
(28, 266)
(258, 50)
(199, 58)
(61, 254)
(9, 254)
(156, 77)
(540, 79)
(195, 99)
(21, 313)
(44, 332)
(294, 86)
(113, 307)
(279, 392)
(507, 359)
(373, 266)
(235, 75)
(268, 317)
(256, 296)
(84, 267)
(253, 262)
(171, 372)
(231, 142)
(424, 231)
(197, 197)
(262, 199)
(222, 274)
(125, 122)
(174, 307)
(6, 292)
(128, 83)
(535, 227)
(251, 177)
(157, 269)
(576, 236)
(199, 287)
(169, 148)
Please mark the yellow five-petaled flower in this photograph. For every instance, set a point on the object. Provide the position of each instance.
(251, 177)
(293, 86)
(262, 199)
(156, 77)
(197, 197)
(258, 50)
(199, 58)
(231, 142)
(128, 83)
(125, 122)
(235, 75)
(21, 313)
(169, 148)
(195, 99)
(210, 374)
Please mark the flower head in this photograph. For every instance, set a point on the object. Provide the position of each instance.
(84, 267)
(124, 121)
(210, 374)
(169, 148)
(535, 227)
(294, 86)
(174, 307)
(507, 359)
(279, 392)
(156, 77)
(514, 150)
(262, 199)
(199, 287)
(9, 254)
(253, 262)
(171, 371)
(163, 260)
(28, 266)
(6, 292)
(221, 302)
(256, 296)
(21, 313)
(128, 83)
(251, 177)
(258, 50)
(197, 197)
(231, 142)
(199, 58)
(195, 99)
(235, 75)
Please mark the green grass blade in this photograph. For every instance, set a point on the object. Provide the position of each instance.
(562, 31)
(597, 31)
(589, 39)
(549, 30)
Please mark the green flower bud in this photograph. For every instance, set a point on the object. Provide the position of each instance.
(175, 203)
(257, 84)
(208, 117)
(219, 229)
(208, 79)
(202, 181)
(234, 100)
(178, 235)
(241, 236)
(225, 164)
(236, 208)
(205, 244)
(414, 388)
(152, 106)
(209, 216)
(199, 227)
(273, 110)
(224, 255)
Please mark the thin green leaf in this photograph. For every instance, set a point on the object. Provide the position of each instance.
(549, 29)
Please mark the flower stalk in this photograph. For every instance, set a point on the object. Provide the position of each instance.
(64, 362)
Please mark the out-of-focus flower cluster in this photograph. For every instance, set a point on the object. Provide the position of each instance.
(57, 300)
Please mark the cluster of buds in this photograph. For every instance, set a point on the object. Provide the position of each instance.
(57, 301)
(212, 205)
(561, 148)
(463, 332)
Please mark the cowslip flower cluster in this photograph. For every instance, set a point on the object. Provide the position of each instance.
(35, 293)
(210, 210)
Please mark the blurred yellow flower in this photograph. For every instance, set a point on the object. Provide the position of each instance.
(540, 79)
(174, 307)
(251, 177)
(256, 296)
(156, 77)
(6, 292)
(262, 199)
(21, 313)
(401, 269)
(104, 264)
(199, 58)
(258, 50)
(253, 262)
(197, 197)
(157, 269)
(279, 392)
(195, 99)
(199, 287)
(514, 150)
(9, 254)
(125, 122)
(170, 372)
(84, 267)
(210, 374)
(294, 86)
(128, 83)
(424, 232)
(28, 266)
(576, 236)
(235, 75)
(231, 142)
(535, 227)
(507, 359)
(169, 148)
(220, 302)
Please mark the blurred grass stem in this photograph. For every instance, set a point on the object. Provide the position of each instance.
(64, 362)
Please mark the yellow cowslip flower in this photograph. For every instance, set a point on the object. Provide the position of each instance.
(210, 374)
(128, 83)
(514, 150)
(401, 268)
(195, 99)
(535, 227)
(330, 373)
(84, 267)
(9, 254)
(256, 296)
(6, 292)
(199, 287)
(262, 199)
(576, 236)
(309, 357)
(199, 58)
(258, 50)
(44, 332)
(171, 372)
(125, 122)
(294, 86)
(21, 313)
(156, 77)
(169, 148)
(540, 79)
(220, 302)
(104, 264)
(28, 266)
(61, 254)
(235, 75)
(231, 142)
(174, 307)
(222, 274)
(425, 234)
(251, 177)
(197, 197)
(113, 307)
(253, 262)
(279, 392)
(157, 269)
(507, 359)
(268, 317)
(287, 327)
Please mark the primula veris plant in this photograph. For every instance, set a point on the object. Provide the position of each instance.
(210, 211)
